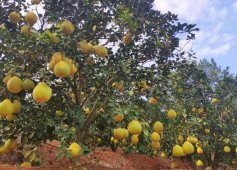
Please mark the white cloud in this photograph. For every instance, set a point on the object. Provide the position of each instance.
(235, 6)
(213, 39)
(214, 51)
(191, 11)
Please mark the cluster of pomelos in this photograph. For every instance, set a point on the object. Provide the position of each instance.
(41, 93)
(121, 134)
(61, 65)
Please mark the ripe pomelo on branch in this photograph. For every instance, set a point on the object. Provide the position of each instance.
(67, 27)
(127, 39)
(134, 127)
(158, 127)
(153, 101)
(74, 149)
(6, 78)
(6, 107)
(17, 106)
(14, 17)
(178, 151)
(188, 148)
(134, 139)
(31, 18)
(25, 29)
(62, 69)
(100, 51)
(155, 137)
(28, 85)
(14, 85)
(85, 47)
(118, 117)
(42, 93)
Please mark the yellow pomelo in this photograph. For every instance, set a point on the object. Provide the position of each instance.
(119, 133)
(28, 85)
(98, 140)
(155, 145)
(127, 38)
(214, 101)
(3, 149)
(162, 154)
(14, 17)
(178, 151)
(171, 114)
(59, 113)
(199, 163)
(62, 69)
(51, 65)
(25, 165)
(6, 108)
(101, 51)
(58, 56)
(35, 2)
(17, 106)
(86, 110)
(180, 138)
(6, 78)
(73, 68)
(125, 133)
(67, 27)
(68, 61)
(131, 93)
(207, 131)
(134, 127)
(85, 47)
(155, 137)
(8, 143)
(31, 18)
(14, 85)
(158, 127)
(42, 93)
(188, 148)
(118, 117)
(153, 101)
(226, 149)
(155, 153)
(134, 139)
(143, 85)
(73, 129)
(192, 139)
(200, 111)
(25, 29)
(74, 149)
(199, 150)
(112, 139)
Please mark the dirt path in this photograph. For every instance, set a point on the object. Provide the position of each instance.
(101, 159)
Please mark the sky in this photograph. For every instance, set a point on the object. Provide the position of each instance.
(217, 21)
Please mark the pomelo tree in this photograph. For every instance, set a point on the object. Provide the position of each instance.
(75, 70)
(204, 98)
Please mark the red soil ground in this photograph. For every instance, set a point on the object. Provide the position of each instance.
(100, 159)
